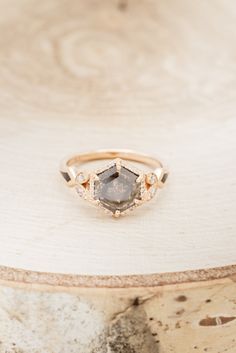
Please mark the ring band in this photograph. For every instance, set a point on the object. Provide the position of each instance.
(117, 187)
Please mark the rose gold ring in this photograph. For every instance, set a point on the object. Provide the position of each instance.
(119, 186)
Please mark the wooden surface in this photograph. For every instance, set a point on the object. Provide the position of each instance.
(156, 76)
(172, 319)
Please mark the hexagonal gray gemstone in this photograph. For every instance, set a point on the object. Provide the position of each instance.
(117, 189)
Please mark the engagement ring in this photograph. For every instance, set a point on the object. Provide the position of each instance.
(119, 186)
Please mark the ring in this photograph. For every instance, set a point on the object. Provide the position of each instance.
(118, 187)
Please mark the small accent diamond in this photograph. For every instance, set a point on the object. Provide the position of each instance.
(152, 191)
(81, 190)
(81, 178)
(151, 178)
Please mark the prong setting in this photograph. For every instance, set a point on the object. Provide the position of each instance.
(117, 214)
(118, 163)
(139, 178)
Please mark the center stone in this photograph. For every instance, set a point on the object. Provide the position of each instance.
(117, 189)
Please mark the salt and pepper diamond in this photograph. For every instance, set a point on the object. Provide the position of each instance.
(117, 188)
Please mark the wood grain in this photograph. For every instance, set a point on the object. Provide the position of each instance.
(181, 319)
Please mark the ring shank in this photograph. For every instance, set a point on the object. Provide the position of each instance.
(67, 164)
